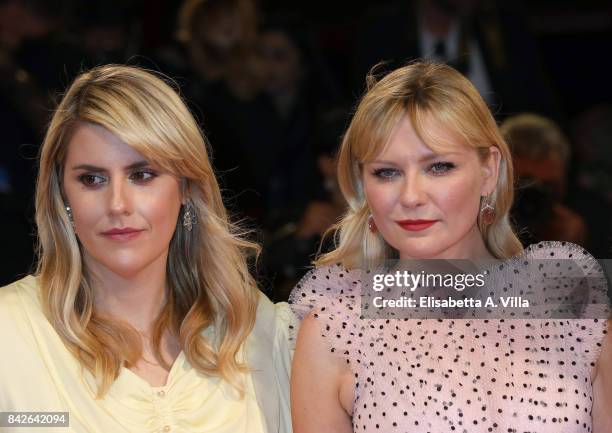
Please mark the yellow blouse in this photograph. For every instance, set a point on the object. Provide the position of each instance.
(38, 373)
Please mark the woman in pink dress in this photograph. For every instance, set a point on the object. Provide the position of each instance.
(427, 175)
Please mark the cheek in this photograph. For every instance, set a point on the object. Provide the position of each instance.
(87, 208)
(161, 210)
(460, 198)
(381, 196)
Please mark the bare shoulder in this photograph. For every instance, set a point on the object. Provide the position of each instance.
(323, 361)
(604, 362)
(602, 387)
(320, 382)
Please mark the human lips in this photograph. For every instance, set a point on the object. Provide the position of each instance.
(415, 225)
(122, 234)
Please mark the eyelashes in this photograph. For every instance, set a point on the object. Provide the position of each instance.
(385, 173)
(143, 176)
(91, 180)
(95, 180)
(436, 169)
(441, 167)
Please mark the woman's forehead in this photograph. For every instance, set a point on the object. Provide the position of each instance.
(94, 145)
(427, 139)
(90, 141)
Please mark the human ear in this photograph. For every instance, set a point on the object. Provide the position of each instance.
(490, 171)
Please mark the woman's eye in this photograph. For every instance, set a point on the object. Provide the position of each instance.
(142, 176)
(92, 179)
(385, 173)
(441, 167)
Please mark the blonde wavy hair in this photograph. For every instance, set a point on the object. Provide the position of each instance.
(208, 280)
(425, 92)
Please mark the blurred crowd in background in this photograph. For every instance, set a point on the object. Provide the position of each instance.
(273, 85)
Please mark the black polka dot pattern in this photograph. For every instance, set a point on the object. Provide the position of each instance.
(464, 375)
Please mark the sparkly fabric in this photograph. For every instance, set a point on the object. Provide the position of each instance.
(463, 375)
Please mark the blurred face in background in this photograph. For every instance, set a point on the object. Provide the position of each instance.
(220, 28)
(20, 21)
(124, 209)
(281, 62)
(426, 204)
(222, 31)
(549, 171)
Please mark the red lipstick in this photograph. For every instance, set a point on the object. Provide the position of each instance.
(122, 234)
(416, 225)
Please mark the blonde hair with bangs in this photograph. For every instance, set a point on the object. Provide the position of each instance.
(428, 93)
(208, 279)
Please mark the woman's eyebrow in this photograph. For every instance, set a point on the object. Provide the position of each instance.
(424, 158)
(433, 156)
(382, 161)
(89, 167)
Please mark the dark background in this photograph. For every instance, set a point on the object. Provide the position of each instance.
(274, 102)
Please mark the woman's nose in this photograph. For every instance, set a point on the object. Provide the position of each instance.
(119, 201)
(413, 193)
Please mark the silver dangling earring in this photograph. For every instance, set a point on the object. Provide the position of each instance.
(189, 217)
(70, 217)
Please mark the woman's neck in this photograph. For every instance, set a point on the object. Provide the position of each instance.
(136, 299)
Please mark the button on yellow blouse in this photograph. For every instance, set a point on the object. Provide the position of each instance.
(38, 373)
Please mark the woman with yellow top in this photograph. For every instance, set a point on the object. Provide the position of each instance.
(142, 315)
